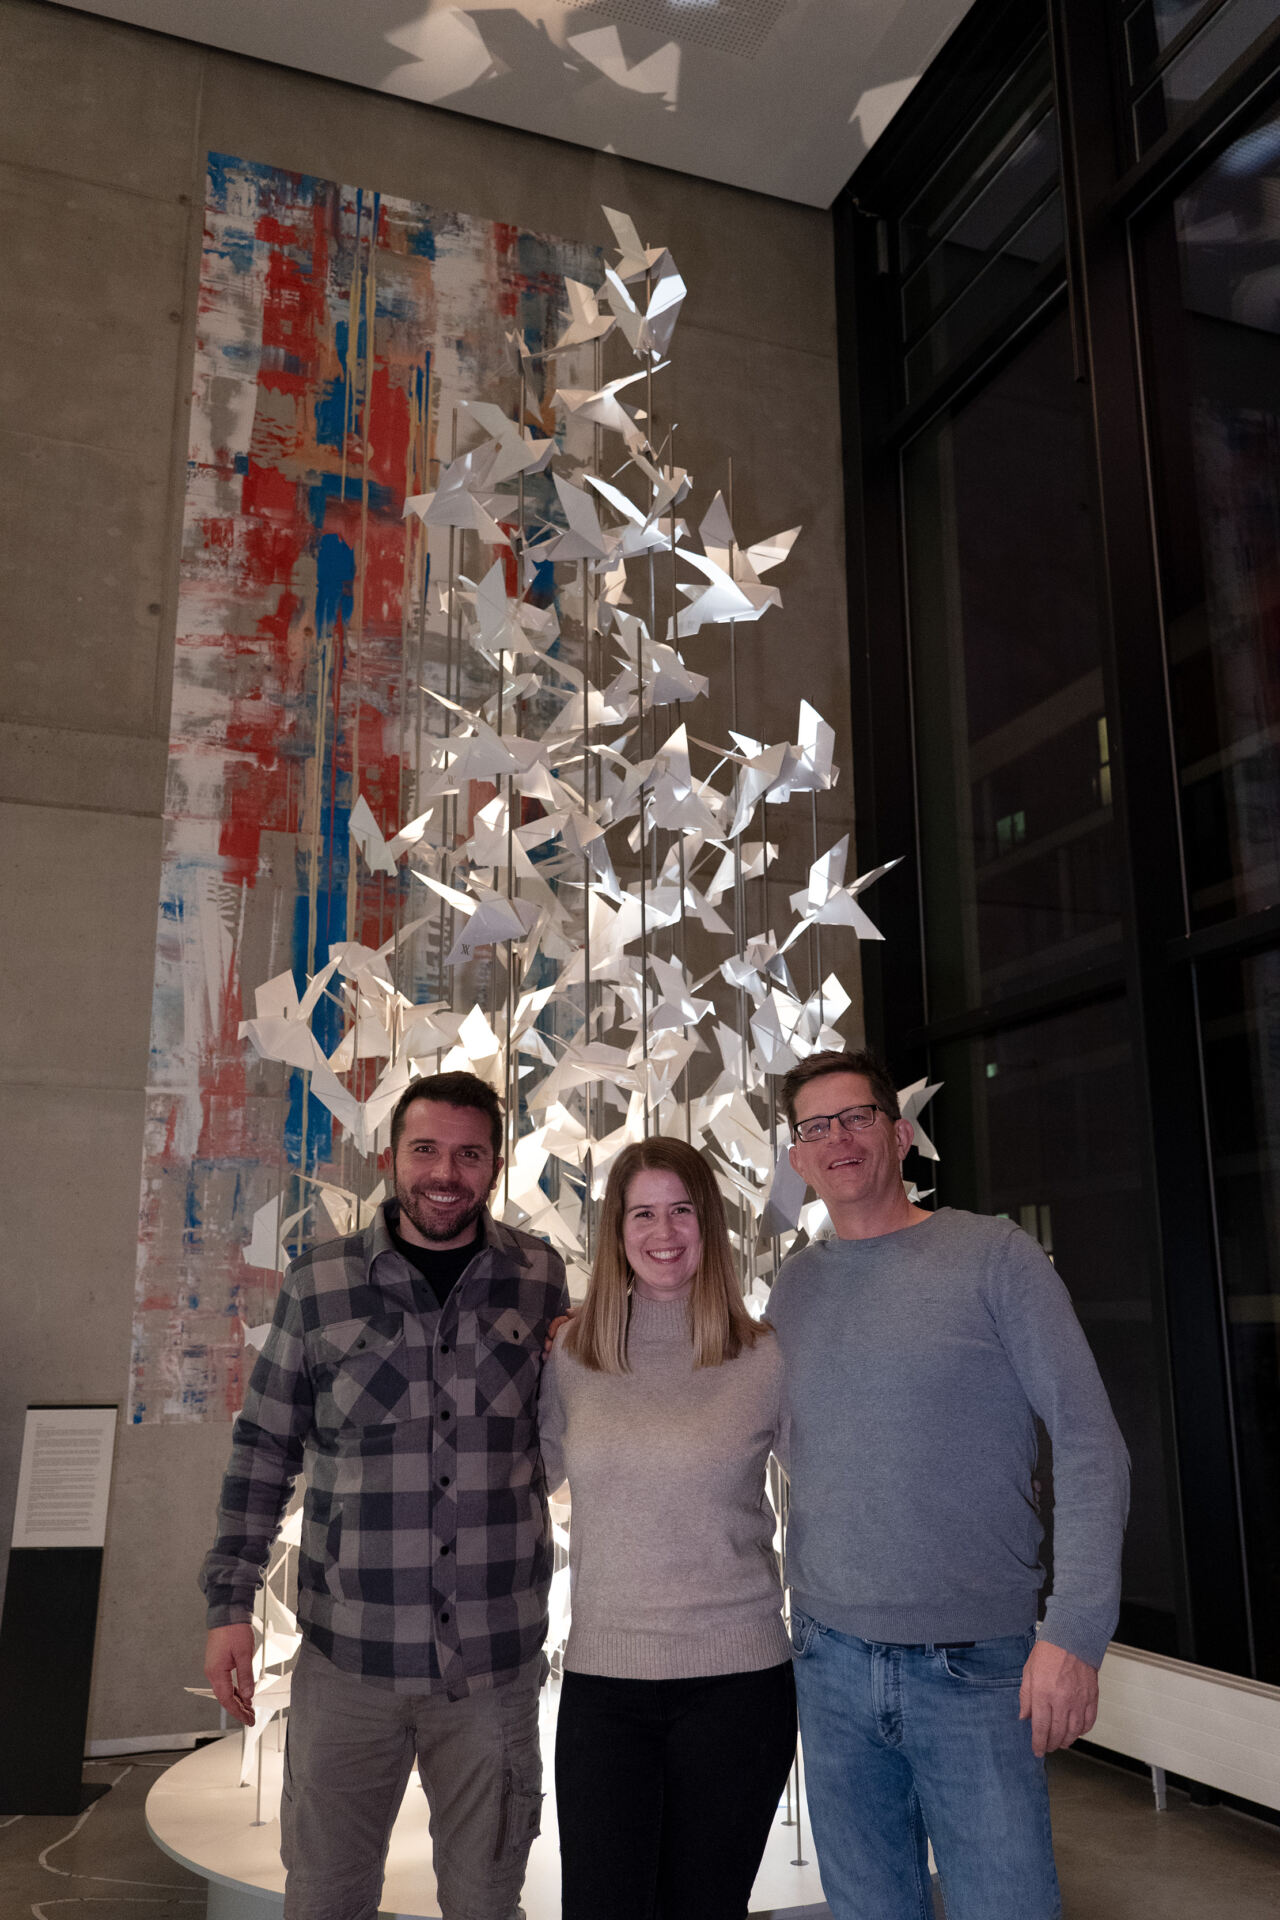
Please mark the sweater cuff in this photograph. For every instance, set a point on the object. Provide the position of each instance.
(1075, 1632)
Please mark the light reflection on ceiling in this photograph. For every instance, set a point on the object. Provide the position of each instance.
(781, 96)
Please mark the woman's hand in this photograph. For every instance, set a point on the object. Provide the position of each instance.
(561, 1320)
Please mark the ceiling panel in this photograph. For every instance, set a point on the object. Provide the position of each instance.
(780, 96)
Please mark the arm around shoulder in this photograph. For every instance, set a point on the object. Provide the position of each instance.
(552, 1417)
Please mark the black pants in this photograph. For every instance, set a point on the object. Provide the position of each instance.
(666, 1790)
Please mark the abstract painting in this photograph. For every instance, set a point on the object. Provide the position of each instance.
(340, 332)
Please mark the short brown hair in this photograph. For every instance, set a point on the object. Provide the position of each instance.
(868, 1064)
(719, 1323)
(455, 1090)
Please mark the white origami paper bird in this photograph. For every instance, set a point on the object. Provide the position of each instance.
(912, 1100)
(602, 407)
(676, 1005)
(815, 744)
(786, 1198)
(516, 451)
(636, 259)
(463, 496)
(584, 538)
(586, 322)
(381, 855)
(648, 332)
(828, 902)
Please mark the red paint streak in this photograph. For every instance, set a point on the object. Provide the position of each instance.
(295, 290)
(390, 415)
(266, 490)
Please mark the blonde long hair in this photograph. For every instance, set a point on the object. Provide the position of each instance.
(719, 1324)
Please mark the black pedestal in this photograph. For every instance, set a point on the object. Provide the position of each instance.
(46, 1664)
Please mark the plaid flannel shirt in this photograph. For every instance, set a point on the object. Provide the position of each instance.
(425, 1561)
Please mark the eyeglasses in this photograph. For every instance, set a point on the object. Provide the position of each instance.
(849, 1120)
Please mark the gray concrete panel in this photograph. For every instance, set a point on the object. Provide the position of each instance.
(69, 1228)
(151, 1618)
(90, 311)
(96, 772)
(83, 572)
(97, 101)
(77, 961)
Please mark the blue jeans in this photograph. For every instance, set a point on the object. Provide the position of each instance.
(900, 1742)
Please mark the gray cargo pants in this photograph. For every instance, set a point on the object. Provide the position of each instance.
(348, 1753)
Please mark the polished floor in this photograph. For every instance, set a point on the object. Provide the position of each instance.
(1118, 1858)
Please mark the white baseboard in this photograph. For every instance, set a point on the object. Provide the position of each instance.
(1211, 1727)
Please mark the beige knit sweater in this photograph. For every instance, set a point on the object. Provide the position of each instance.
(671, 1541)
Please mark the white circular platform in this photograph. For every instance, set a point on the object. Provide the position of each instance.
(200, 1817)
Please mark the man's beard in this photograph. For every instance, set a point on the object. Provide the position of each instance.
(427, 1218)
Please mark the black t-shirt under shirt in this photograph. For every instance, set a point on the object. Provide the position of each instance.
(437, 1270)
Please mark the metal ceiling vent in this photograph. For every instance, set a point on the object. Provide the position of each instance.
(727, 26)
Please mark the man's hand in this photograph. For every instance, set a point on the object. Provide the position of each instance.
(561, 1320)
(228, 1667)
(1059, 1697)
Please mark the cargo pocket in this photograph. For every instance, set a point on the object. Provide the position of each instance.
(520, 1815)
(520, 1821)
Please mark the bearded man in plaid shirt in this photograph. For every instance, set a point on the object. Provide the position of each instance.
(400, 1375)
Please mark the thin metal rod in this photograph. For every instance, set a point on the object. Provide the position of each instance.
(357, 634)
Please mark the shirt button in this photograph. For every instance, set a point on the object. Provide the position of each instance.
(444, 1479)
(444, 1346)
(445, 1547)
(444, 1619)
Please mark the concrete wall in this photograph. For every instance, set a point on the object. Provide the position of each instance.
(103, 132)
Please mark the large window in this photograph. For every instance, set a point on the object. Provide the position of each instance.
(1060, 313)
(1019, 861)
(1214, 369)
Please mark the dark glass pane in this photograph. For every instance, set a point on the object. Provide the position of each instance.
(996, 292)
(1039, 1124)
(982, 228)
(973, 159)
(1225, 36)
(1240, 1026)
(1216, 373)
(1019, 865)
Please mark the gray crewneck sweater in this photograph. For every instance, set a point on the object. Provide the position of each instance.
(915, 1364)
(671, 1540)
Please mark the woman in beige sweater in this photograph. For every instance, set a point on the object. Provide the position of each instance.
(660, 1404)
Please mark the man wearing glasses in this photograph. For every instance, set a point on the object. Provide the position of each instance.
(920, 1348)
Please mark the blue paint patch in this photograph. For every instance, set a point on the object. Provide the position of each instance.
(422, 241)
(331, 414)
(327, 1020)
(238, 245)
(335, 571)
(331, 406)
(219, 165)
(331, 486)
(240, 464)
